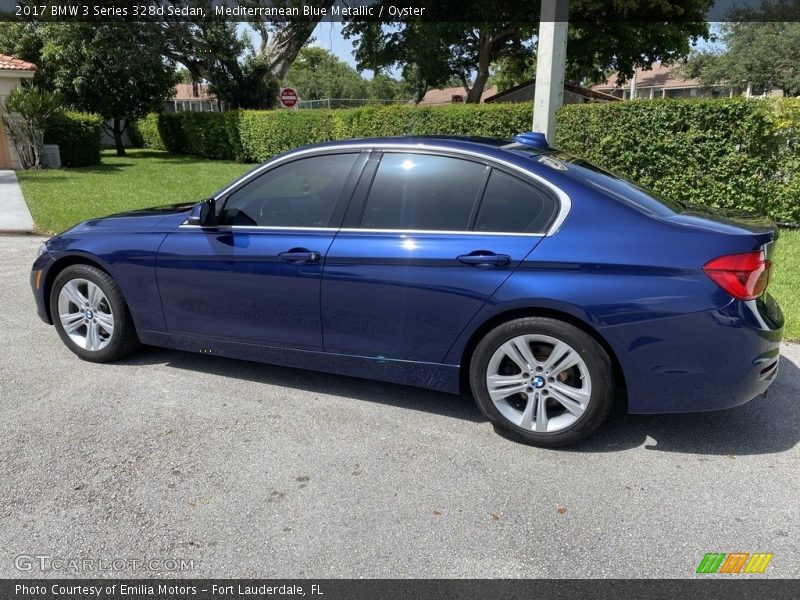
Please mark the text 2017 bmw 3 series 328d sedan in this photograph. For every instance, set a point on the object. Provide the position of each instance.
(540, 281)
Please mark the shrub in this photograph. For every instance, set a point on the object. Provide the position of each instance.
(145, 133)
(721, 152)
(256, 135)
(78, 137)
(728, 153)
(785, 120)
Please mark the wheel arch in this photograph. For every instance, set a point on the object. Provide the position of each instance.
(62, 263)
(517, 313)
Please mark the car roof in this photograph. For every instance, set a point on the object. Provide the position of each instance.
(488, 145)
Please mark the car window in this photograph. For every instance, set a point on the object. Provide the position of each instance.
(513, 206)
(622, 189)
(421, 191)
(301, 193)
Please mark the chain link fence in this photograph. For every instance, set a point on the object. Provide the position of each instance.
(345, 102)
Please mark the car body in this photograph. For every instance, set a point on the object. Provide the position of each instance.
(392, 258)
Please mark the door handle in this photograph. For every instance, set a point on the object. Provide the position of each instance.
(300, 256)
(481, 258)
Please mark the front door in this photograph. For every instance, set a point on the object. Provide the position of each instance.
(256, 277)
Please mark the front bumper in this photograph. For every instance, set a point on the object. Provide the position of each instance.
(704, 361)
(39, 272)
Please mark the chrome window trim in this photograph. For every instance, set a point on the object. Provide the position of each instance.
(564, 200)
(437, 232)
(185, 225)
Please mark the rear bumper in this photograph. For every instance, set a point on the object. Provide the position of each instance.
(704, 361)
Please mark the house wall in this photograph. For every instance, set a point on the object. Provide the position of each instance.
(8, 156)
(107, 140)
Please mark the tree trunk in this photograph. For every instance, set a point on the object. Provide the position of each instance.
(118, 136)
(489, 45)
(484, 60)
(280, 52)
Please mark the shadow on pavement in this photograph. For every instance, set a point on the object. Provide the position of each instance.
(412, 398)
(765, 425)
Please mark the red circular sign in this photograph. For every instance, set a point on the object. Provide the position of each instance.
(288, 97)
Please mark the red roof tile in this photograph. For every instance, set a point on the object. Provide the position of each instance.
(660, 76)
(188, 91)
(9, 63)
(445, 96)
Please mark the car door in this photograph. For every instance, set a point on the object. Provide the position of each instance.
(426, 241)
(256, 276)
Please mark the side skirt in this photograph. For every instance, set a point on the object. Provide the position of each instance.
(432, 376)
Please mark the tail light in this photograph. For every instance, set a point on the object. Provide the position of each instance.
(743, 276)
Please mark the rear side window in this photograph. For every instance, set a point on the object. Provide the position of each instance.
(510, 205)
(420, 191)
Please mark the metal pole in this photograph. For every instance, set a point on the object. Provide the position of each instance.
(551, 60)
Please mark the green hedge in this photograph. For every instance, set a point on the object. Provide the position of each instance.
(78, 137)
(256, 135)
(733, 153)
(721, 152)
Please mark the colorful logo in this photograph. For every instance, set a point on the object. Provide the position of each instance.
(735, 562)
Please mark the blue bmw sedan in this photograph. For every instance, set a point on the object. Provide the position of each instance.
(540, 282)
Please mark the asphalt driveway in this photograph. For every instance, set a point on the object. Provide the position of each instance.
(250, 470)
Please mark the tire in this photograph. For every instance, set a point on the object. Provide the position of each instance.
(575, 399)
(100, 311)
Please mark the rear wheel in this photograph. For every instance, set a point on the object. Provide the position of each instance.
(91, 315)
(543, 381)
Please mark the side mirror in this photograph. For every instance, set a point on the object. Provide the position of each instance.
(203, 214)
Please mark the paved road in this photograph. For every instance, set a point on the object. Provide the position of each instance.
(252, 470)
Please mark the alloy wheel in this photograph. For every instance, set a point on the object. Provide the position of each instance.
(85, 314)
(539, 383)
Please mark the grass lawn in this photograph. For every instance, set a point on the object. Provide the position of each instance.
(785, 285)
(60, 198)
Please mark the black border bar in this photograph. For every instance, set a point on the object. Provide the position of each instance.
(384, 11)
(711, 588)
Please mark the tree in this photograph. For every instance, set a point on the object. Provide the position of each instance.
(508, 72)
(430, 53)
(318, 74)
(384, 87)
(27, 110)
(25, 41)
(240, 75)
(765, 55)
(603, 36)
(114, 69)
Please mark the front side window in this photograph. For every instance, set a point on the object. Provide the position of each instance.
(302, 193)
(511, 205)
(421, 191)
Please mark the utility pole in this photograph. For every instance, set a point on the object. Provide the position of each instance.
(551, 61)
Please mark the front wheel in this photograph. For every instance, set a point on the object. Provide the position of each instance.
(90, 314)
(543, 381)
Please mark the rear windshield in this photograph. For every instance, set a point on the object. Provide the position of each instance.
(617, 187)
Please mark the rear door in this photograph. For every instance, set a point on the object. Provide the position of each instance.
(426, 241)
(256, 277)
